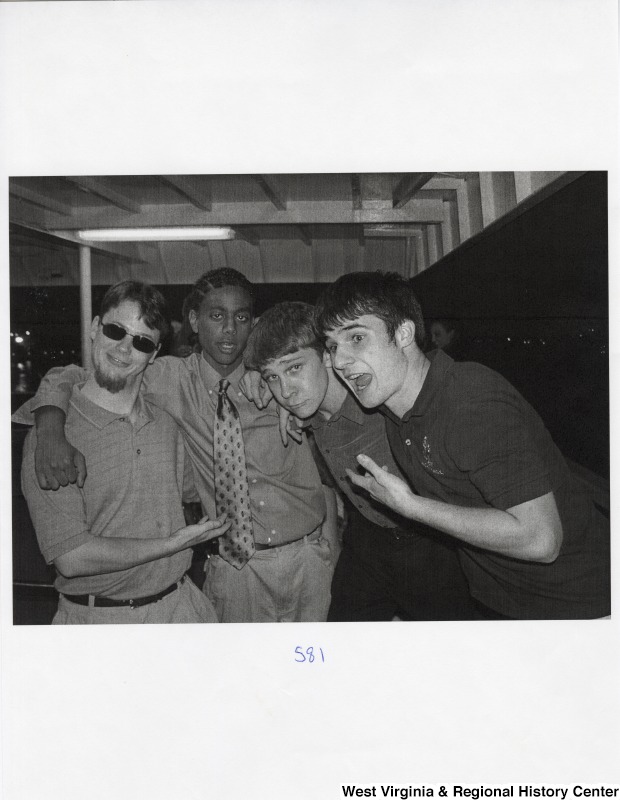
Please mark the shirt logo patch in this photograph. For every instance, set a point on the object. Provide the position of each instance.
(426, 459)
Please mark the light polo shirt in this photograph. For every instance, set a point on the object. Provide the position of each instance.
(471, 440)
(286, 497)
(134, 490)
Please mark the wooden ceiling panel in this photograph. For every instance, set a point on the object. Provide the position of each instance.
(291, 228)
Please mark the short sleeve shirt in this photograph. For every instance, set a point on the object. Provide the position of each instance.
(471, 439)
(133, 490)
(286, 496)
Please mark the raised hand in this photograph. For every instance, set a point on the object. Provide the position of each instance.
(381, 485)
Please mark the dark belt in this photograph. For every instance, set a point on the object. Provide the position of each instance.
(309, 537)
(213, 548)
(108, 602)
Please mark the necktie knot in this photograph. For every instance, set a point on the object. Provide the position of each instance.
(224, 384)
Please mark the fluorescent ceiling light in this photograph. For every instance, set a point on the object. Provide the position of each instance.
(391, 229)
(154, 234)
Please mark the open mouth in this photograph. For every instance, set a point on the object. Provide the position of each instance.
(359, 380)
(227, 347)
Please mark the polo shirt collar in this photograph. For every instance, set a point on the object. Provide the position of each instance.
(100, 417)
(350, 409)
(440, 364)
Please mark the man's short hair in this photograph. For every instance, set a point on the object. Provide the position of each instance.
(216, 279)
(153, 307)
(281, 330)
(385, 295)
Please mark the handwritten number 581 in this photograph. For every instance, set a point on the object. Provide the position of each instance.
(308, 654)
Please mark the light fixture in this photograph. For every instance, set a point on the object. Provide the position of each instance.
(398, 230)
(154, 234)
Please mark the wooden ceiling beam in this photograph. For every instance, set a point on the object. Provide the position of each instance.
(39, 199)
(196, 189)
(270, 191)
(101, 189)
(304, 234)
(408, 186)
(256, 214)
(356, 192)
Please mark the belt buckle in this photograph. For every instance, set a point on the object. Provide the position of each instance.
(131, 605)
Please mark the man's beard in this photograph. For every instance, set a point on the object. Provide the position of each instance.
(111, 384)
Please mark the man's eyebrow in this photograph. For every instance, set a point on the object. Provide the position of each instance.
(289, 357)
(283, 360)
(352, 325)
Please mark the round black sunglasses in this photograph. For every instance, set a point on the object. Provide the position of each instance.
(116, 332)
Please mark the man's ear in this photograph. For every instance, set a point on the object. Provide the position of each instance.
(327, 360)
(193, 320)
(94, 325)
(405, 333)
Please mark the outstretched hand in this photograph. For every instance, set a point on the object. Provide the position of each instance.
(57, 463)
(381, 485)
(204, 530)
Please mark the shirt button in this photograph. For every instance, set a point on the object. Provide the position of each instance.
(253, 480)
(407, 442)
(138, 451)
(261, 502)
(210, 391)
(327, 450)
(273, 533)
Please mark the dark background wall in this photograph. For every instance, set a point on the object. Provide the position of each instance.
(532, 293)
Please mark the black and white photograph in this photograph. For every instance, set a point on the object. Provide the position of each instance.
(511, 269)
(311, 320)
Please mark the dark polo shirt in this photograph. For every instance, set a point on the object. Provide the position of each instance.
(340, 439)
(470, 439)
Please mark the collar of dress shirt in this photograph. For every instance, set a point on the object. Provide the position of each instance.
(212, 377)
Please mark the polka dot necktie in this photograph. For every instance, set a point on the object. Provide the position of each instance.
(232, 496)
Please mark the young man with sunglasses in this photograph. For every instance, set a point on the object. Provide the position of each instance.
(289, 575)
(119, 542)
